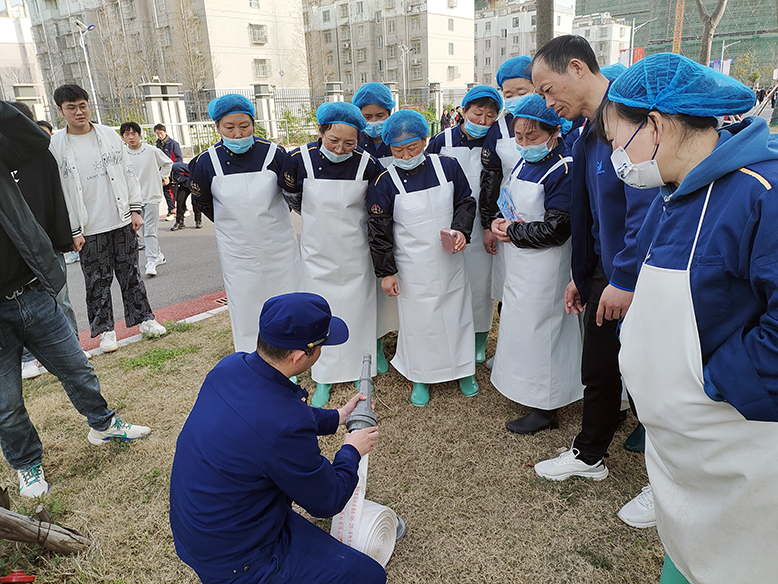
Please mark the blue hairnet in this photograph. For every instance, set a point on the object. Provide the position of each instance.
(373, 93)
(340, 112)
(673, 84)
(613, 71)
(534, 107)
(232, 103)
(403, 127)
(483, 91)
(514, 68)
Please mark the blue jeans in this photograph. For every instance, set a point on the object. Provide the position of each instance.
(33, 319)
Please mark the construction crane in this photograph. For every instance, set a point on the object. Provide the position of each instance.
(678, 32)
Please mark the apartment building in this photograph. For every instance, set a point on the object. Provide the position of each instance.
(17, 50)
(608, 36)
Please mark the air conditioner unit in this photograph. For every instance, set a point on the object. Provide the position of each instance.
(415, 61)
(346, 45)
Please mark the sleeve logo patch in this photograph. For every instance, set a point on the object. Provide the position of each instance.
(376, 210)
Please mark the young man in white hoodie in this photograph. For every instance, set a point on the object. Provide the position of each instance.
(104, 203)
(153, 169)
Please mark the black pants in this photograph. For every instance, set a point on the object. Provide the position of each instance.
(601, 378)
(106, 254)
(181, 196)
(169, 197)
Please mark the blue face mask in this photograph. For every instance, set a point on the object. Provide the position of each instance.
(334, 158)
(534, 153)
(475, 130)
(373, 129)
(410, 163)
(238, 145)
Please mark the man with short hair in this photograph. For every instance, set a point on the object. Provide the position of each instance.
(172, 150)
(249, 449)
(46, 127)
(30, 280)
(153, 169)
(606, 217)
(105, 205)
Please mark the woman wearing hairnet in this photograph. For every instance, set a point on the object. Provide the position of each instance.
(326, 182)
(410, 203)
(481, 105)
(700, 340)
(234, 183)
(538, 359)
(375, 101)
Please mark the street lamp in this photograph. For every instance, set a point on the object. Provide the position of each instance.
(724, 45)
(82, 30)
(632, 38)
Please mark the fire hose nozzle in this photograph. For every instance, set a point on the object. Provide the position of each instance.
(363, 415)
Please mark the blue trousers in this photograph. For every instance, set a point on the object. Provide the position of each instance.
(33, 319)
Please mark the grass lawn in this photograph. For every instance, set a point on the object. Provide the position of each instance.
(476, 511)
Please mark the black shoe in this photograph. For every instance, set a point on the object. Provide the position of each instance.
(637, 440)
(198, 224)
(177, 226)
(535, 421)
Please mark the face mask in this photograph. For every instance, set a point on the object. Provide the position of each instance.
(410, 163)
(537, 152)
(475, 130)
(335, 158)
(373, 129)
(238, 145)
(512, 103)
(643, 175)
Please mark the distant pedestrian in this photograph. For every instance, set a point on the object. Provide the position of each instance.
(172, 150)
(181, 187)
(105, 205)
(445, 120)
(45, 126)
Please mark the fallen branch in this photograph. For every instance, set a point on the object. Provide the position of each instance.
(16, 527)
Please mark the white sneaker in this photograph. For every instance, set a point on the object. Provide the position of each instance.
(108, 342)
(151, 269)
(568, 465)
(639, 512)
(160, 260)
(170, 217)
(152, 328)
(30, 369)
(117, 429)
(88, 355)
(187, 213)
(32, 483)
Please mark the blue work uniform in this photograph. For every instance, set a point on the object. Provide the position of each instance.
(247, 451)
(377, 149)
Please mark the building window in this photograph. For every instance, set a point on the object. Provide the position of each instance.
(450, 48)
(487, 45)
(254, 4)
(452, 73)
(349, 78)
(135, 41)
(452, 3)
(559, 21)
(306, 20)
(325, 16)
(389, 4)
(392, 51)
(328, 37)
(343, 10)
(475, 61)
(586, 33)
(363, 78)
(345, 33)
(487, 61)
(603, 31)
(361, 54)
(361, 31)
(162, 5)
(380, 65)
(130, 9)
(601, 47)
(392, 74)
(415, 73)
(360, 8)
(502, 51)
(261, 68)
(486, 79)
(258, 33)
(622, 31)
(504, 33)
(166, 37)
(391, 26)
(416, 47)
(451, 24)
(379, 42)
(329, 58)
(515, 39)
(533, 20)
(475, 29)
(415, 23)
(516, 21)
(346, 57)
(488, 27)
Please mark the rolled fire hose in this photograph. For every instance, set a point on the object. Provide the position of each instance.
(365, 525)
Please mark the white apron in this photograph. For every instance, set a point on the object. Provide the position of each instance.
(714, 474)
(478, 263)
(387, 317)
(538, 358)
(337, 266)
(436, 341)
(258, 250)
(509, 158)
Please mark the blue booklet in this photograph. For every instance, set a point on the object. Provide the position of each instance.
(507, 208)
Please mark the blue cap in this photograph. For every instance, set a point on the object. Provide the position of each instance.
(534, 107)
(514, 68)
(300, 320)
(673, 84)
(340, 112)
(373, 93)
(483, 91)
(612, 71)
(232, 103)
(403, 127)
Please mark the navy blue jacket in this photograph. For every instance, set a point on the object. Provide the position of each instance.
(171, 148)
(378, 150)
(734, 273)
(247, 451)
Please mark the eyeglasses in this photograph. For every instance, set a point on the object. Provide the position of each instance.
(71, 109)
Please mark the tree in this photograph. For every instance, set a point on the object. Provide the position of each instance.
(709, 24)
(545, 21)
(191, 59)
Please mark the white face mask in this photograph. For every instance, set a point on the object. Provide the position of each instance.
(643, 175)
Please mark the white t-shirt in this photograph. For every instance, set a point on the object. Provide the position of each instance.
(102, 213)
(151, 166)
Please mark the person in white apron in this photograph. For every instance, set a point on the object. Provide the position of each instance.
(499, 157)
(376, 103)
(408, 206)
(481, 106)
(699, 343)
(538, 358)
(326, 182)
(234, 182)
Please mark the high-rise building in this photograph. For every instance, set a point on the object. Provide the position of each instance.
(410, 42)
(17, 50)
(608, 36)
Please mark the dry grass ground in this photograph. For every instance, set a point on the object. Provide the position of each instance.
(475, 509)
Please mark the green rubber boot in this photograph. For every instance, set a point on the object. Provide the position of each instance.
(480, 347)
(382, 365)
(468, 386)
(420, 396)
(293, 379)
(321, 396)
